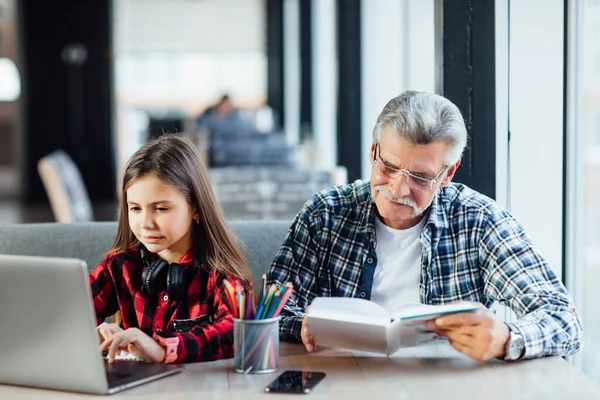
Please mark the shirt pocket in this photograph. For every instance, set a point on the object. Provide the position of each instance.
(186, 325)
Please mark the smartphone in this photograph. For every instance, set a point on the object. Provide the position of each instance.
(295, 382)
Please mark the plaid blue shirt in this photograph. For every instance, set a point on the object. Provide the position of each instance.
(473, 250)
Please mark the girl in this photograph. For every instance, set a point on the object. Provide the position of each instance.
(171, 253)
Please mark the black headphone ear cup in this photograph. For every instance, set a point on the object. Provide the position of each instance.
(144, 255)
(154, 276)
(176, 286)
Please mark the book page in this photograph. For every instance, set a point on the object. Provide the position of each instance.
(359, 324)
(350, 310)
(413, 333)
(349, 323)
(425, 312)
(349, 335)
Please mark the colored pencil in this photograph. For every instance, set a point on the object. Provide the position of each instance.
(248, 307)
(242, 305)
(252, 302)
(268, 300)
(259, 310)
(274, 303)
(265, 360)
(241, 298)
(232, 298)
(272, 354)
(284, 298)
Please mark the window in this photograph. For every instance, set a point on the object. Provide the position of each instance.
(583, 170)
(596, 132)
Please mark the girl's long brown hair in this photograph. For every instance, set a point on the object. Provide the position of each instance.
(176, 162)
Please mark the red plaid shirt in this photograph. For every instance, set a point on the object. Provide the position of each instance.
(203, 323)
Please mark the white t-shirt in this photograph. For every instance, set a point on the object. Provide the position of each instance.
(398, 270)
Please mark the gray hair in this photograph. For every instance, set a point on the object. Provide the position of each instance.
(423, 118)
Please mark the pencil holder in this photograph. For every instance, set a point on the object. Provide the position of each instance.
(256, 345)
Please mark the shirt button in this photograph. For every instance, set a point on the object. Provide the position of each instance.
(363, 294)
(369, 260)
(166, 297)
(158, 330)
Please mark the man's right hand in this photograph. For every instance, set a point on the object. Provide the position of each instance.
(307, 338)
(106, 330)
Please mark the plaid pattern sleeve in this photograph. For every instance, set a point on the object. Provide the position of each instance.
(481, 253)
(518, 276)
(104, 297)
(323, 252)
(213, 339)
(296, 262)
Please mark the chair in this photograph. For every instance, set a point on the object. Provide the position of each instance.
(65, 188)
(269, 192)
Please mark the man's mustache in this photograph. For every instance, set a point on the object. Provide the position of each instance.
(407, 201)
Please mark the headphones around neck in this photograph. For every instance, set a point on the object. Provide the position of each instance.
(159, 275)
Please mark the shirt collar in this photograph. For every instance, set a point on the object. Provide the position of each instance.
(437, 210)
(188, 258)
(363, 194)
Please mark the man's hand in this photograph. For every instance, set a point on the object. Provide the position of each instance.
(135, 342)
(106, 330)
(478, 334)
(307, 338)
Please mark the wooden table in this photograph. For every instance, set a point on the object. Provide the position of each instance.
(421, 373)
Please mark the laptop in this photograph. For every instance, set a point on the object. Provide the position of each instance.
(47, 331)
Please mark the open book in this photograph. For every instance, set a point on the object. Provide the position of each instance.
(359, 324)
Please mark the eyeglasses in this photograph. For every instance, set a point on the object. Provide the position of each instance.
(414, 180)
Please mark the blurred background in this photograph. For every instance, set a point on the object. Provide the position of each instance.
(281, 96)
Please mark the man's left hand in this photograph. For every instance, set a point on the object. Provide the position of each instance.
(478, 334)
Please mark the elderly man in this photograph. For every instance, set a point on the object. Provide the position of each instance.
(411, 235)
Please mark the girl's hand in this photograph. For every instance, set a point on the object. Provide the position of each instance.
(135, 342)
(106, 330)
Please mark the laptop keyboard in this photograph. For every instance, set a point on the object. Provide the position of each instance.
(121, 357)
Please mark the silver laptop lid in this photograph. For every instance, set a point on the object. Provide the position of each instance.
(47, 325)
